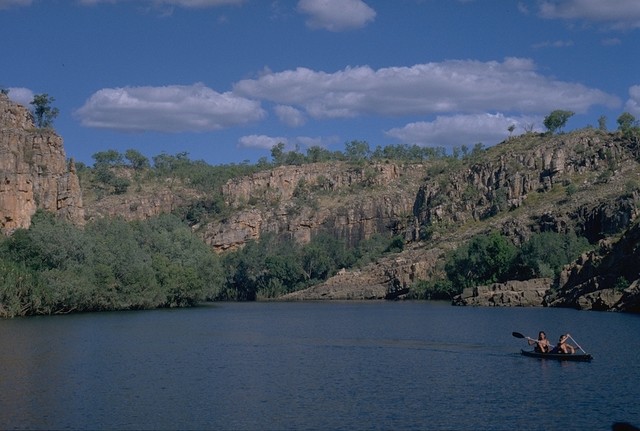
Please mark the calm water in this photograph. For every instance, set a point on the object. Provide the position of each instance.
(337, 365)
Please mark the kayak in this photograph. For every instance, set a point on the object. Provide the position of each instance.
(559, 356)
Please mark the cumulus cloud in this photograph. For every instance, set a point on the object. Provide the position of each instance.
(21, 95)
(268, 142)
(174, 108)
(633, 104)
(458, 130)
(617, 14)
(182, 3)
(290, 116)
(260, 141)
(336, 15)
(6, 4)
(460, 86)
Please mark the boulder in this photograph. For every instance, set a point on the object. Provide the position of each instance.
(514, 293)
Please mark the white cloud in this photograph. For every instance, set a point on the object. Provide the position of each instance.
(183, 3)
(617, 14)
(336, 15)
(290, 116)
(268, 142)
(633, 104)
(458, 130)
(174, 108)
(6, 4)
(454, 86)
(260, 141)
(21, 95)
(318, 141)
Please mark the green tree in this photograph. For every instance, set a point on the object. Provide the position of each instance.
(43, 112)
(545, 253)
(109, 158)
(136, 159)
(357, 150)
(626, 122)
(556, 120)
(602, 123)
(277, 153)
(485, 259)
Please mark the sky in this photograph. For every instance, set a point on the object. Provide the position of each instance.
(226, 80)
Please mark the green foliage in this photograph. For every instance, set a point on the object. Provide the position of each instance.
(492, 258)
(485, 259)
(602, 123)
(626, 122)
(136, 160)
(621, 284)
(556, 120)
(54, 267)
(434, 290)
(107, 159)
(274, 266)
(545, 253)
(43, 112)
(571, 189)
(357, 151)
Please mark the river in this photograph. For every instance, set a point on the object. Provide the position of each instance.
(317, 365)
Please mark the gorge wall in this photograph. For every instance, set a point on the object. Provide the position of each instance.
(34, 172)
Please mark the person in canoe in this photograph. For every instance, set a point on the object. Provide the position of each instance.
(542, 344)
(563, 347)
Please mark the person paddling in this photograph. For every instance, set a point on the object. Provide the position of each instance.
(563, 347)
(542, 344)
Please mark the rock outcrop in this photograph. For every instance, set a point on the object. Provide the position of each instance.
(388, 278)
(607, 279)
(529, 293)
(347, 202)
(34, 172)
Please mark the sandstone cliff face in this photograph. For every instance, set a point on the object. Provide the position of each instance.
(301, 201)
(34, 172)
(573, 182)
(510, 176)
(608, 279)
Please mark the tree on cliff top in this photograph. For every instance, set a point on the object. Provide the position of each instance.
(43, 113)
(557, 120)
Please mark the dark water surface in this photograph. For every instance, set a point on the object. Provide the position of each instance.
(316, 365)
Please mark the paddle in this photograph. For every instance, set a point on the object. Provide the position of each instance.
(529, 339)
(519, 335)
(572, 339)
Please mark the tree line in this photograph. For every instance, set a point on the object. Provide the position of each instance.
(54, 267)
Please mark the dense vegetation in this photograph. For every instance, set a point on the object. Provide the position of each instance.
(492, 258)
(54, 267)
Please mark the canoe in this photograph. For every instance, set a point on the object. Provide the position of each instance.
(559, 356)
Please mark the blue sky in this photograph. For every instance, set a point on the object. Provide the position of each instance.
(225, 80)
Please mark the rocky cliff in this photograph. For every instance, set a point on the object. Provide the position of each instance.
(605, 279)
(350, 202)
(34, 172)
(585, 181)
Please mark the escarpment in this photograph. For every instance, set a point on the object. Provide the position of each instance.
(349, 202)
(34, 171)
(587, 182)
